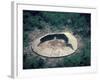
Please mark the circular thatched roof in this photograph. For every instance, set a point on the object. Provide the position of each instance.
(55, 47)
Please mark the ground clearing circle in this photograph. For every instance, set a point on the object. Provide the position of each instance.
(56, 47)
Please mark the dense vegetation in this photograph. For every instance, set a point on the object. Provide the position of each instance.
(41, 22)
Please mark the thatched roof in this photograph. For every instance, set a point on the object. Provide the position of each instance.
(55, 47)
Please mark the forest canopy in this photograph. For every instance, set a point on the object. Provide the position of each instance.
(38, 22)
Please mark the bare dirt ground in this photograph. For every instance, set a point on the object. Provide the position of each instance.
(52, 48)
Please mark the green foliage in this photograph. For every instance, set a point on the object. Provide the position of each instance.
(30, 62)
(25, 39)
(79, 23)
